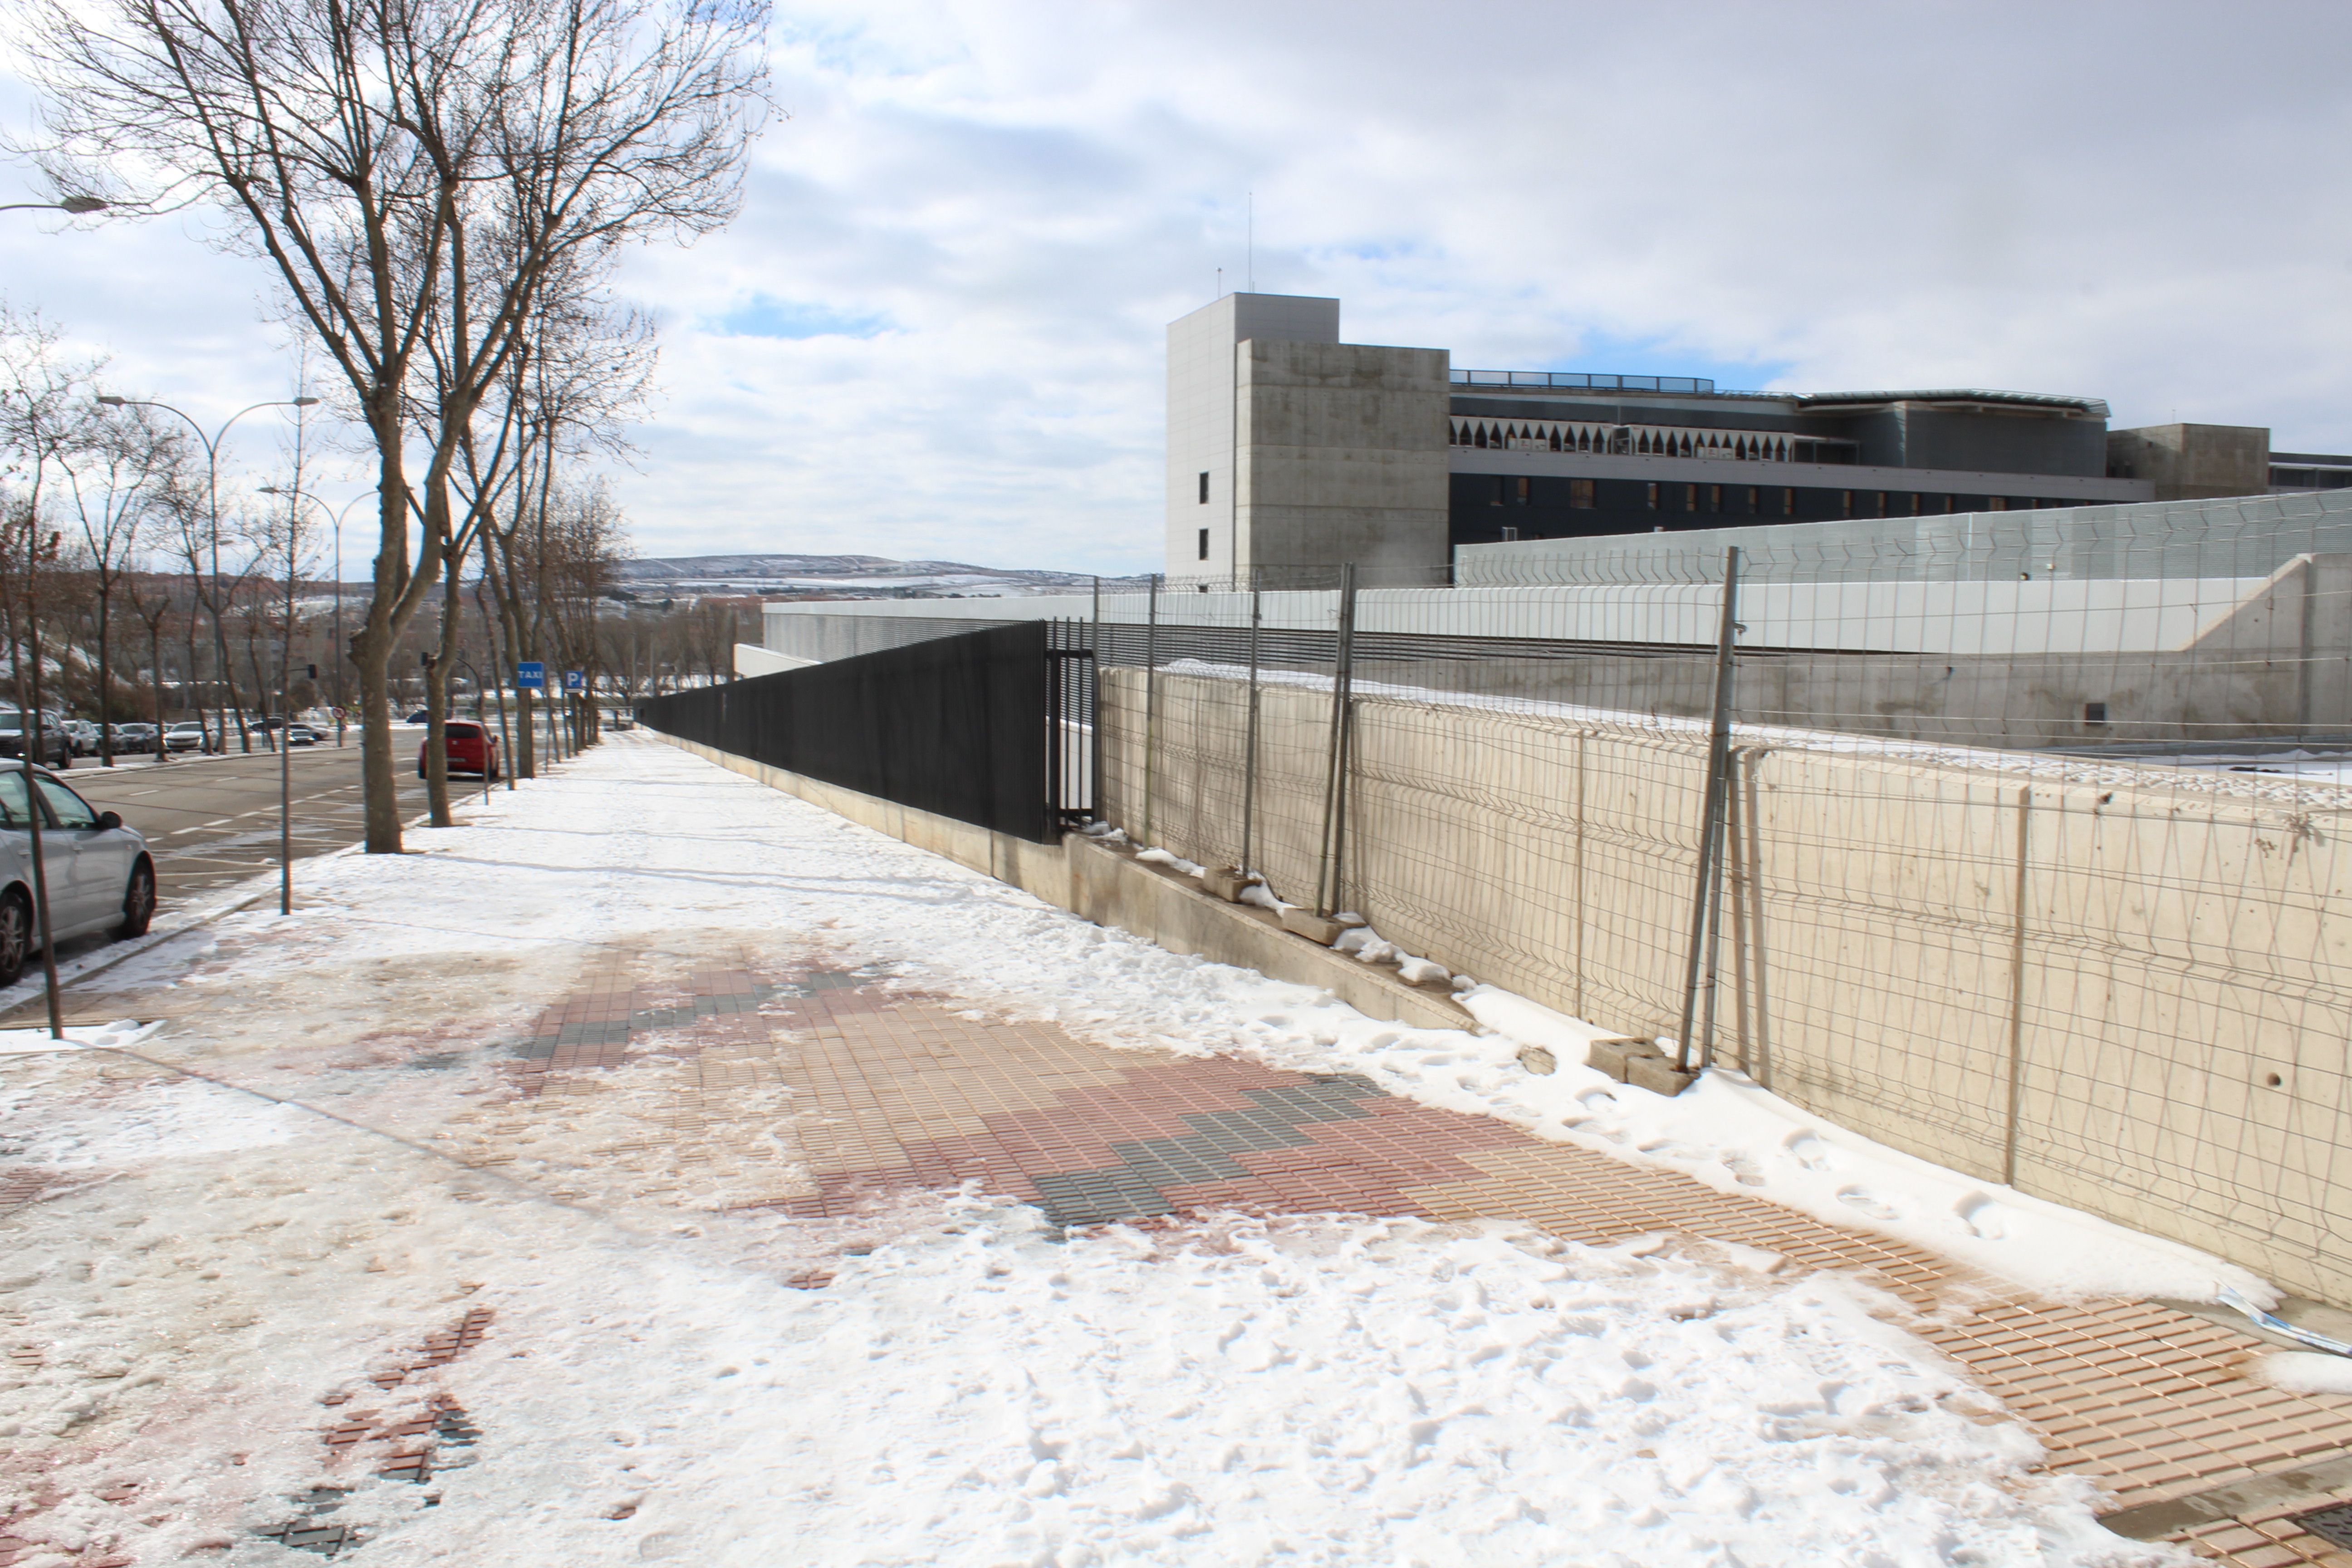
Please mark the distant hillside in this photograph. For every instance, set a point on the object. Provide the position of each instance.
(836, 573)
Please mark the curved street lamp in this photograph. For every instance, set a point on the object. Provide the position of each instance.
(314, 500)
(79, 206)
(212, 484)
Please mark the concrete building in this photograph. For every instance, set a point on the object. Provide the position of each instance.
(2193, 462)
(2294, 472)
(1290, 452)
(1287, 448)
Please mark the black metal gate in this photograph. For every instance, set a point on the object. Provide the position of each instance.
(993, 728)
(1073, 744)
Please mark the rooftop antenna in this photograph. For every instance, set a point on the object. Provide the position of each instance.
(1220, 283)
(1251, 252)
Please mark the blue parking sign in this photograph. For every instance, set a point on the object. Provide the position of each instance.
(575, 680)
(531, 677)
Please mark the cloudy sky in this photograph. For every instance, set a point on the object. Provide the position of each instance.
(936, 329)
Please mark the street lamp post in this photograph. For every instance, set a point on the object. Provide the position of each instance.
(212, 490)
(337, 660)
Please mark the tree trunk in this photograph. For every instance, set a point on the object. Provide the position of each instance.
(105, 680)
(436, 693)
(373, 644)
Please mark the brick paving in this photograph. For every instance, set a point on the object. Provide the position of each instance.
(889, 1090)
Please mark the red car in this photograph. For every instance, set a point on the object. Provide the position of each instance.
(473, 749)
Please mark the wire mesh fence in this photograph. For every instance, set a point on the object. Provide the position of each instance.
(2036, 875)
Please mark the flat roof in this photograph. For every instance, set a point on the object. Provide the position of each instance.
(2095, 407)
(1539, 380)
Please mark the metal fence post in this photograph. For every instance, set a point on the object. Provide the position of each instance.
(1094, 713)
(1710, 833)
(1249, 745)
(2017, 988)
(1335, 782)
(1150, 698)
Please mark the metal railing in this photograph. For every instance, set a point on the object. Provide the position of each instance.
(1582, 381)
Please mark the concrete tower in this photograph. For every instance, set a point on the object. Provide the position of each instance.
(1287, 448)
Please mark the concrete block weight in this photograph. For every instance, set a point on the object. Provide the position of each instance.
(1657, 1074)
(1613, 1058)
(1315, 928)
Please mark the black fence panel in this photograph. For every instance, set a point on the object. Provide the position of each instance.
(959, 726)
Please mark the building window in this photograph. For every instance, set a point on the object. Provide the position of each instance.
(1499, 483)
(1845, 503)
(1755, 501)
(1690, 498)
(1579, 492)
(1915, 503)
(1204, 544)
(1789, 501)
(1996, 503)
(2095, 712)
(1204, 489)
(1878, 503)
(1654, 498)
(1715, 497)
(1510, 534)
(1523, 492)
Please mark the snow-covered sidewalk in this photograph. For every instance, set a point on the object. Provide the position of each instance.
(657, 1082)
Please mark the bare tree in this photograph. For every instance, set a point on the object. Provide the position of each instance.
(119, 479)
(149, 596)
(412, 168)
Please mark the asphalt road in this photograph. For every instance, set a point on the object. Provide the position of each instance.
(212, 821)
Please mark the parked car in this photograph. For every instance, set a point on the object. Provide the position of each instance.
(472, 749)
(99, 875)
(421, 716)
(188, 735)
(57, 749)
(133, 739)
(302, 735)
(84, 736)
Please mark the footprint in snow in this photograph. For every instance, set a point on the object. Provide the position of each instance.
(1980, 1216)
(1745, 1169)
(1807, 1149)
(1857, 1198)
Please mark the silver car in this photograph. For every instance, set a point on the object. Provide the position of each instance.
(99, 875)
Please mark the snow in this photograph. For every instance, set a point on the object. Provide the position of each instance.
(974, 1390)
(219, 1251)
(2304, 1371)
(1368, 946)
(1725, 1131)
(1730, 1134)
(1176, 863)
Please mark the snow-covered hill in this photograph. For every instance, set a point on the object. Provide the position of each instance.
(836, 573)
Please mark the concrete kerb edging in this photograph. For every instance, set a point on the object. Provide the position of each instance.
(1106, 884)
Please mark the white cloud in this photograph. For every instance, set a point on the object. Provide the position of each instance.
(936, 329)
